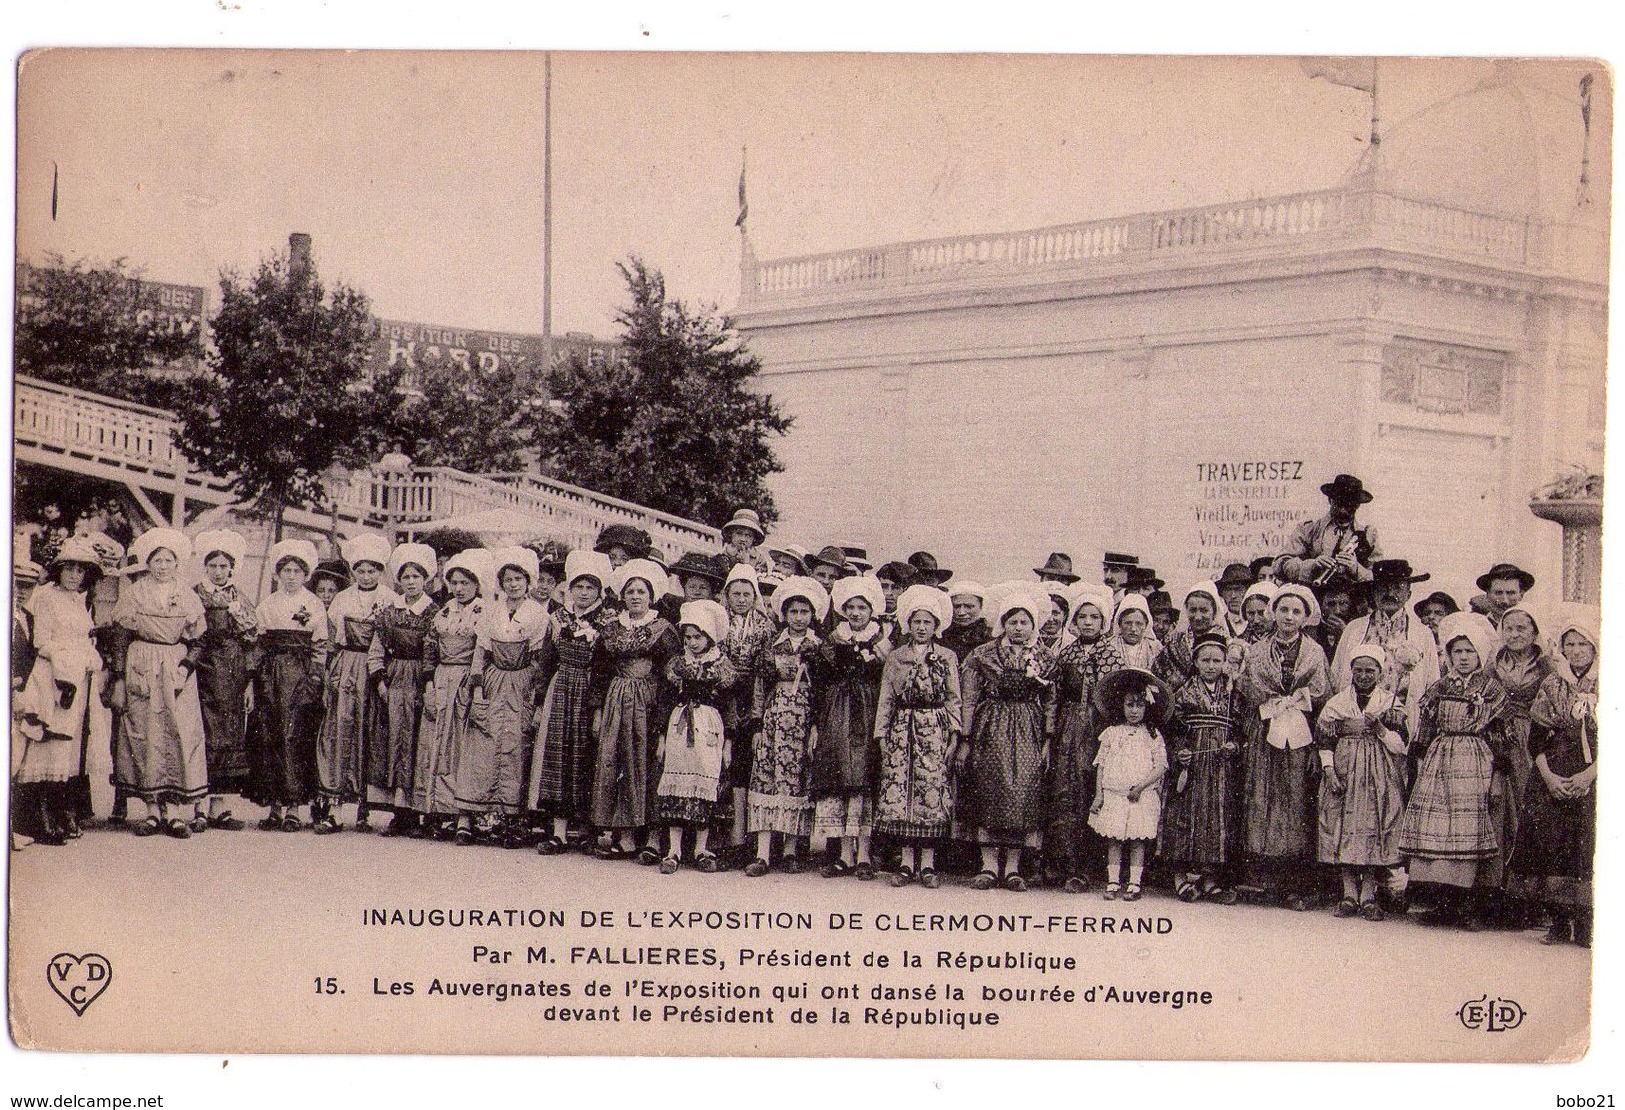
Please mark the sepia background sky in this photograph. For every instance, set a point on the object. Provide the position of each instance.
(419, 175)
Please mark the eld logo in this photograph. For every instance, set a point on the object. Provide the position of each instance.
(78, 980)
(1490, 1015)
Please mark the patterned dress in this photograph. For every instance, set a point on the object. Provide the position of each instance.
(562, 765)
(1078, 669)
(1448, 832)
(748, 636)
(1009, 701)
(448, 651)
(1522, 679)
(495, 753)
(222, 683)
(1201, 818)
(1174, 664)
(159, 754)
(396, 655)
(917, 724)
(1359, 827)
(847, 678)
(292, 652)
(1280, 763)
(1557, 838)
(691, 784)
(352, 705)
(631, 666)
(779, 800)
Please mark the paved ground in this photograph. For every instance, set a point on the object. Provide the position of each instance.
(220, 943)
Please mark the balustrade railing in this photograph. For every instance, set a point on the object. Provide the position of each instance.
(63, 424)
(1354, 216)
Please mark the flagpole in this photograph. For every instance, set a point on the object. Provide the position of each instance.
(1376, 137)
(547, 211)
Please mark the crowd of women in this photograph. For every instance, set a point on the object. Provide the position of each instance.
(1296, 730)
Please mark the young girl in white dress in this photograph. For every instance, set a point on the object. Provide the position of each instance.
(1130, 766)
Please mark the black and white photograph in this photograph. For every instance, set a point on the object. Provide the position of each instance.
(743, 554)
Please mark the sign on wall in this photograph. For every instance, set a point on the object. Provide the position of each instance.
(413, 347)
(1242, 508)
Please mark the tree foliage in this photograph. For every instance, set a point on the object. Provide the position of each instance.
(472, 418)
(676, 424)
(98, 328)
(286, 396)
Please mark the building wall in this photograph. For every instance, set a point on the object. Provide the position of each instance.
(995, 426)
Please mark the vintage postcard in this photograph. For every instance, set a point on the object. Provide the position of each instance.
(807, 555)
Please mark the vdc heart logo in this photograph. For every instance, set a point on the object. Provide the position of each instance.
(78, 980)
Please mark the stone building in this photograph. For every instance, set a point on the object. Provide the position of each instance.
(1180, 383)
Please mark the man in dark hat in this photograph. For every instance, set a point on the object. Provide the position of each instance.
(1434, 608)
(857, 558)
(1232, 586)
(1114, 571)
(1412, 656)
(829, 564)
(1164, 614)
(1504, 585)
(895, 577)
(1333, 547)
(1057, 568)
(926, 569)
(1143, 581)
(623, 543)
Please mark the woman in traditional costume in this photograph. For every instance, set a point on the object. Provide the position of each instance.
(288, 686)
(917, 727)
(160, 755)
(1204, 612)
(224, 659)
(1283, 683)
(560, 788)
(448, 653)
(64, 690)
(1201, 818)
(352, 705)
(847, 669)
(1557, 836)
(1362, 735)
(749, 630)
(495, 755)
(395, 661)
(1009, 702)
(1071, 848)
(1449, 833)
(1131, 630)
(1521, 666)
(630, 668)
(779, 801)
(693, 753)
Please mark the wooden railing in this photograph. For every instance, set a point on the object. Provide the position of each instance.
(1350, 216)
(93, 434)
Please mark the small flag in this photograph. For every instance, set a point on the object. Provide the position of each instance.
(1354, 73)
(53, 192)
(744, 208)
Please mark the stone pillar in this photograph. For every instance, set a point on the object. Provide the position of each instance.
(1581, 519)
